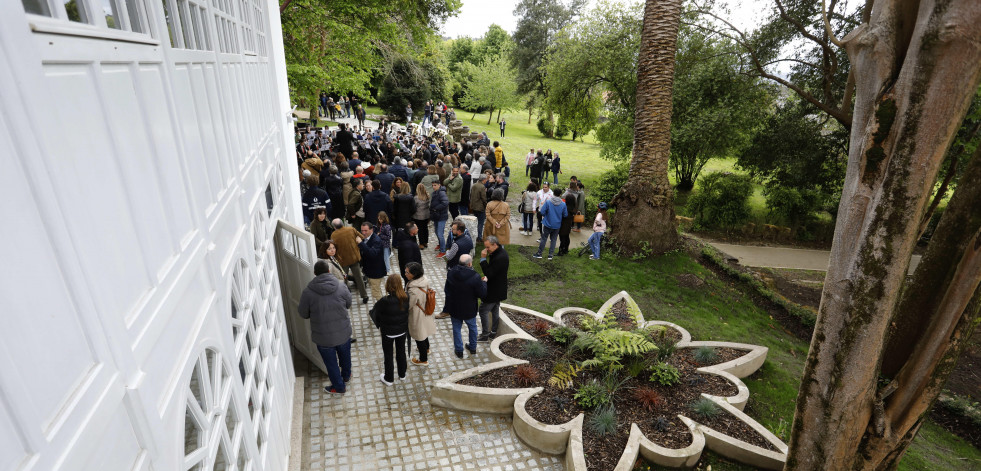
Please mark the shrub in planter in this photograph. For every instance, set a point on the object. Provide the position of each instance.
(564, 375)
(665, 374)
(705, 355)
(526, 376)
(562, 334)
(705, 408)
(535, 350)
(648, 398)
(604, 421)
(592, 395)
(721, 201)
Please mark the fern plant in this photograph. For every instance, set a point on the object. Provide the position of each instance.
(564, 375)
(610, 346)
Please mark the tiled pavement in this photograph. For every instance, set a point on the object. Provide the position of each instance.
(378, 427)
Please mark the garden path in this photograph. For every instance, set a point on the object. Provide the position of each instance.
(784, 257)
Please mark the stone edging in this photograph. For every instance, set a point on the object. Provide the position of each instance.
(567, 438)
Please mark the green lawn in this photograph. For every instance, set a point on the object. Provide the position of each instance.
(714, 311)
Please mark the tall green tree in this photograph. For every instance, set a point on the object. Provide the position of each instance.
(340, 46)
(715, 107)
(491, 86)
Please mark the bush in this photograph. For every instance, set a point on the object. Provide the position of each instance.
(540, 327)
(661, 423)
(592, 394)
(705, 355)
(721, 201)
(609, 184)
(648, 398)
(526, 376)
(705, 408)
(546, 127)
(561, 130)
(562, 334)
(792, 206)
(665, 374)
(604, 421)
(535, 350)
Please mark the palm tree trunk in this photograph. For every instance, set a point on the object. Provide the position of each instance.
(644, 207)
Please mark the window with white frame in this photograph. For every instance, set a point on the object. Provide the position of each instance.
(214, 437)
(187, 24)
(122, 15)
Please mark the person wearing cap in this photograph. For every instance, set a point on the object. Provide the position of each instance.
(599, 227)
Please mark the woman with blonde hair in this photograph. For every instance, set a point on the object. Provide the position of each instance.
(421, 325)
(421, 215)
(391, 316)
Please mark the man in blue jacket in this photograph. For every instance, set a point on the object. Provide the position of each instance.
(376, 201)
(553, 211)
(463, 289)
(372, 258)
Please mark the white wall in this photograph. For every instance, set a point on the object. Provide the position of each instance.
(132, 184)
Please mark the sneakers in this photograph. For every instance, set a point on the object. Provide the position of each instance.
(401, 378)
(549, 257)
(459, 354)
(382, 379)
(442, 315)
(593, 258)
(330, 390)
(364, 300)
(539, 256)
(417, 362)
(441, 255)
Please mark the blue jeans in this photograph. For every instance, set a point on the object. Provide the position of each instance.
(464, 210)
(528, 221)
(333, 355)
(388, 259)
(480, 223)
(555, 178)
(458, 334)
(594, 243)
(548, 234)
(439, 227)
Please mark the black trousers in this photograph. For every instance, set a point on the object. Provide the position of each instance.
(394, 347)
(564, 239)
(422, 346)
(454, 210)
(423, 225)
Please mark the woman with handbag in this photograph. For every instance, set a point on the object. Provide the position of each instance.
(391, 315)
(498, 218)
(528, 207)
(581, 209)
(421, 325)
(566, 227)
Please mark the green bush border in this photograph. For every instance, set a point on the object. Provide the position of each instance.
(807, 316)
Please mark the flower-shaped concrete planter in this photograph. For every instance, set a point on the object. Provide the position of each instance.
(567, 438)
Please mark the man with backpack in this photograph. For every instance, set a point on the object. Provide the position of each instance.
(494, 263)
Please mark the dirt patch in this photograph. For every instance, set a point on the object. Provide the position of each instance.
(689, 280)
(792, 289)
(957, 424)
(965, 380)
(659, 419)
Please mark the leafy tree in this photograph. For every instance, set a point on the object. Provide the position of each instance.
(715, 108)
(339, 46)
(408, 80)
(594, 58)
(491, 86)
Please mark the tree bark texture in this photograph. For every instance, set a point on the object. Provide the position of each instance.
(644, 208)
(917, 64)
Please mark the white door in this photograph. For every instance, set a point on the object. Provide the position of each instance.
(295, 256)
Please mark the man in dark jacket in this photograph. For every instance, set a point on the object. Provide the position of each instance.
(398, 170)
(405, 243)
(461, 244)
(465, 193)
(386, 179)
(376, 201)
(478, 203)
(315, 197)
(463, 288)
(494, 263)
(334, 184)
(439, 212)
(345, 139)
(372, 258)
(325, 301)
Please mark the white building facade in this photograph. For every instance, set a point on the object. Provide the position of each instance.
(146, 159)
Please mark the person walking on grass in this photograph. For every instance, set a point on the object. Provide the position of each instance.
(494, 264)
(391, 315)
(462, 291)
(567, 222)
(552, 211)
(421, 325)
(325, 301)
(503, 124)
(529, 159)
(599, 228)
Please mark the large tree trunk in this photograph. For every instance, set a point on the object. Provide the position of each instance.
(917, 64)
(644, 215)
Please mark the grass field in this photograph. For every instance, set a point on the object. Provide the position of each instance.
(713, 311)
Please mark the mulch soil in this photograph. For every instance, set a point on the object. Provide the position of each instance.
(558, 406)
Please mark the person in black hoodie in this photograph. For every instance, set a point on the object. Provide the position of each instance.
(463, 288)
(494, 264)
(408, 248)
(391, 316)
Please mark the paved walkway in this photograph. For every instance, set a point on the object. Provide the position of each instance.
(378, 427)
(784, 257)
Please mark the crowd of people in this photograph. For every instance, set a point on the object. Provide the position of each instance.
(369, 191)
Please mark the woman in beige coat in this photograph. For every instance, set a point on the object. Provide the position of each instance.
(498, 218)
(421, 325)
